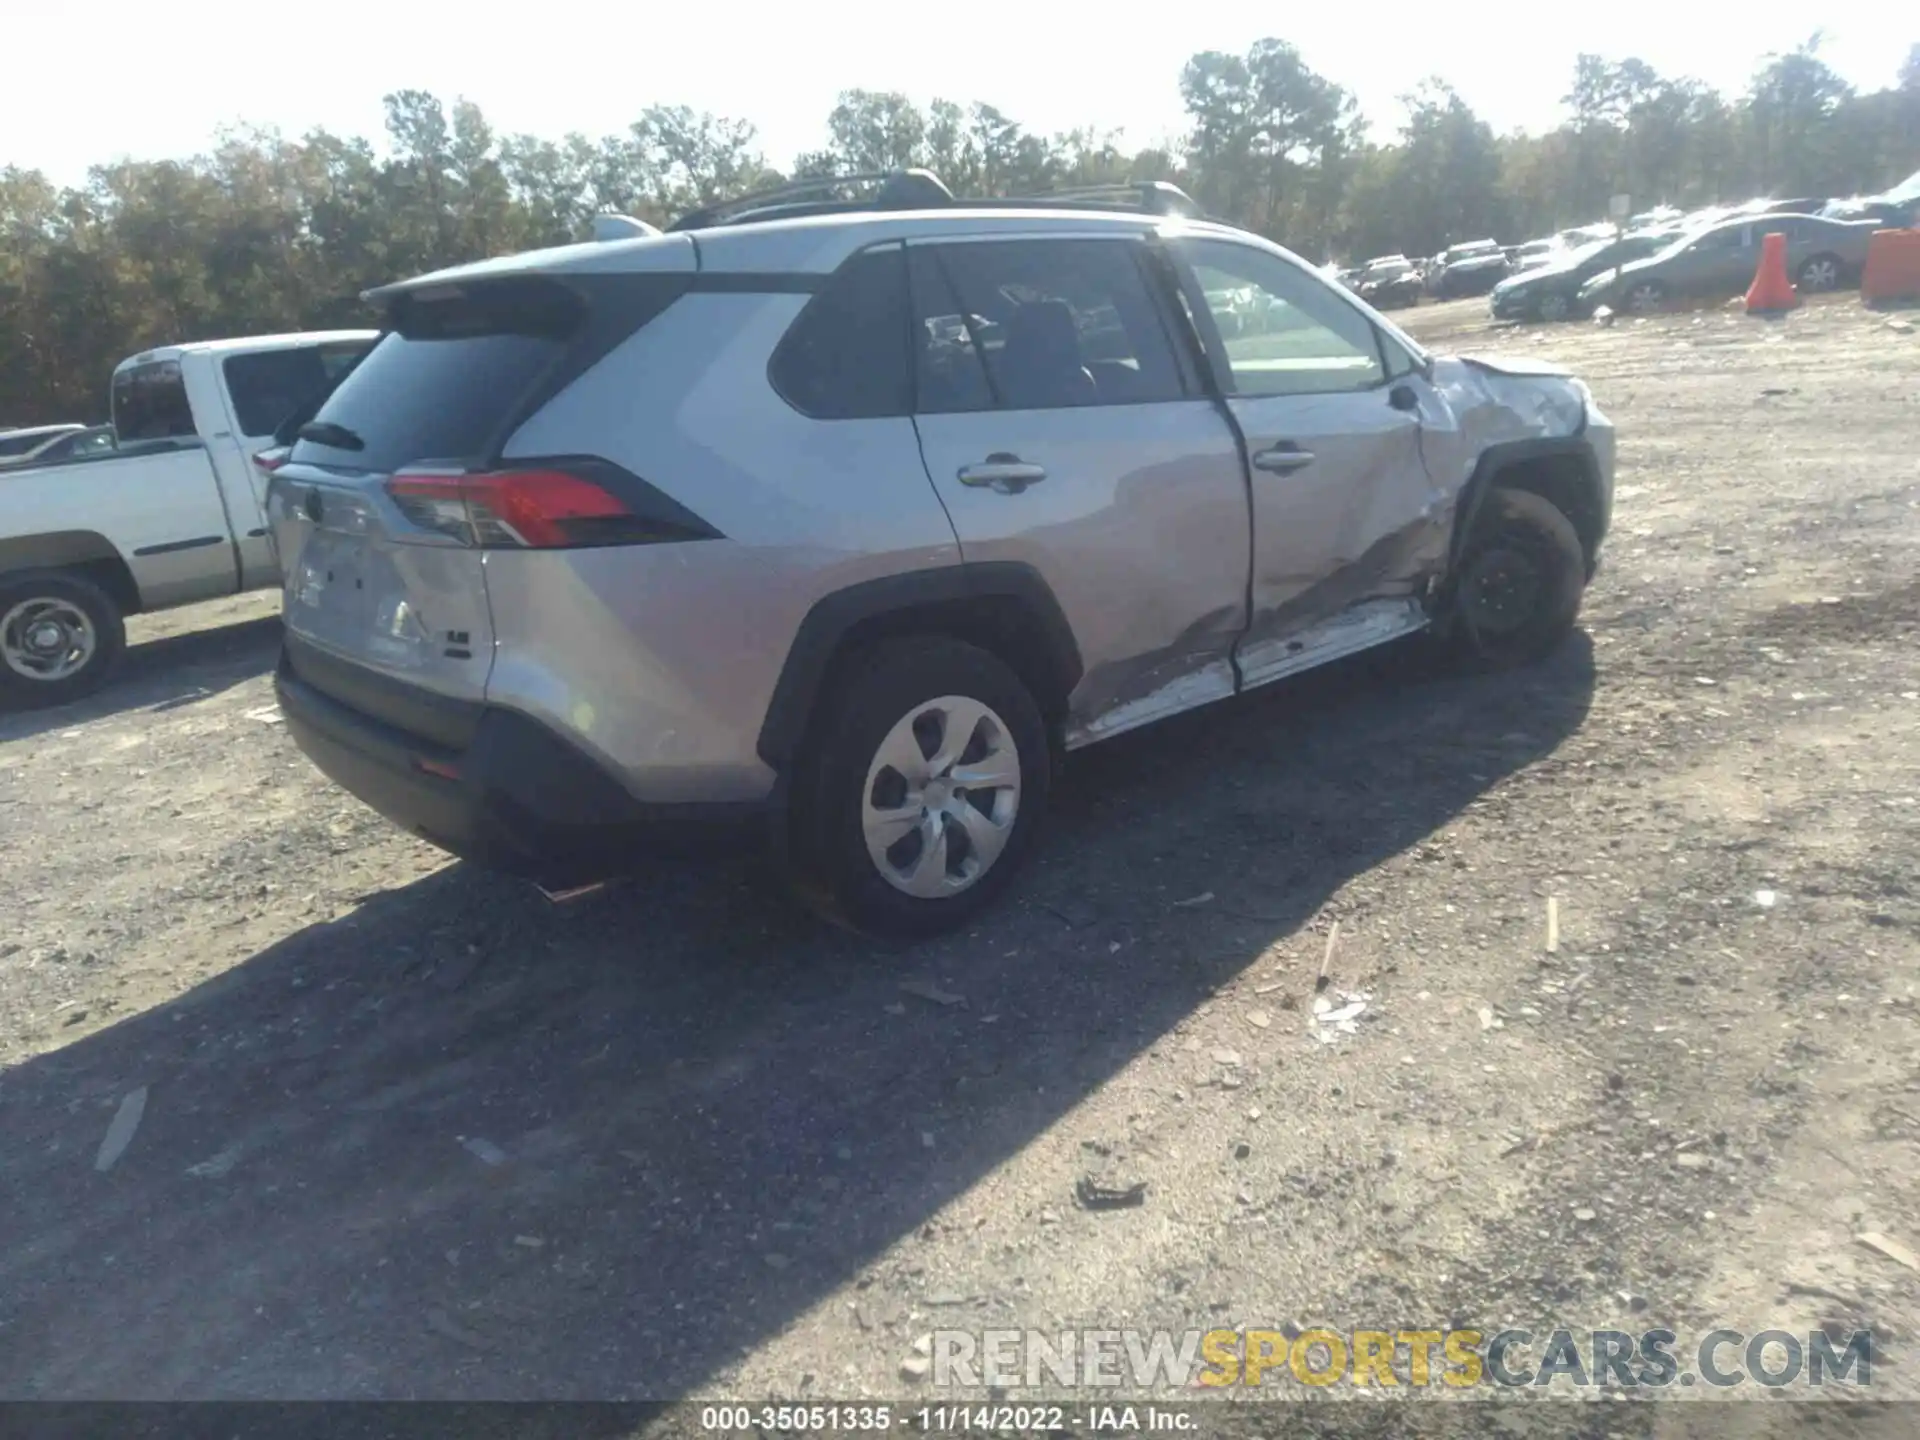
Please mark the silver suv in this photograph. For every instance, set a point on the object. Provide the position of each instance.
(845, 516)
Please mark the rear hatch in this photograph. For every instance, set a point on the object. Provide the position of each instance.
(379, 510)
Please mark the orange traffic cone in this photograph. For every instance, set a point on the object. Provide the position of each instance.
(1772, 293)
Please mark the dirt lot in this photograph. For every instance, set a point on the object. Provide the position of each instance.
(410, 1132)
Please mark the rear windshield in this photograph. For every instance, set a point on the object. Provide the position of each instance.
(150, 403)
(446, 379)
(270, 385)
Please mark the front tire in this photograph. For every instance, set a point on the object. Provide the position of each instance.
(920, 790)
(60, 636)
(1516, 591)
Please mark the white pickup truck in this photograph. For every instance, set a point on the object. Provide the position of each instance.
(174, 513)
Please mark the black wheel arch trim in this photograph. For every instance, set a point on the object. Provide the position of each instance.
(1506, 454)
(834, 617)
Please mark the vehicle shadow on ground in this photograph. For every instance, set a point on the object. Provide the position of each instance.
(162, 674)
(459, 1144)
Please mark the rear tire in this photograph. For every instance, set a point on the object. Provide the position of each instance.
(1646, 296)
(920, 789)
(60, 637)
(1516, 591)
(1819, 274)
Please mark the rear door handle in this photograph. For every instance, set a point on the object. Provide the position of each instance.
(1283, 459)
(1008, 474)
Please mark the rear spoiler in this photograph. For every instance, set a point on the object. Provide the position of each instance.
(582, 256)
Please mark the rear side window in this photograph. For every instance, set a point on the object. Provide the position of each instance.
(1038, 325)
(269, 386)
(849, 354)
(447, 379)
(18, 444)
(150, 403)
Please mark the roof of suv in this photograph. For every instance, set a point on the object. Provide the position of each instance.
(810, 244)
(809, 225)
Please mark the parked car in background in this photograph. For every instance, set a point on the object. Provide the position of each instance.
(1552, 291)
(1721, 259)
(171, 512)
(1536, 252)
(1885, 214)
(1659, 217)
(1389, 282)
(24, 444)
(733, 524)
(1896, 209)
(76, 445)
(1580, 235)
(1473, 268)
(1803, 206)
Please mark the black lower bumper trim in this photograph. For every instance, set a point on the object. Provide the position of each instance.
(518, 798)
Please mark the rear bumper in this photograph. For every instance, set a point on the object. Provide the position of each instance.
(516, 797)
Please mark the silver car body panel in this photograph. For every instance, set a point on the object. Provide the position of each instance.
(660, 661)
(363, 584)
(1140, 530)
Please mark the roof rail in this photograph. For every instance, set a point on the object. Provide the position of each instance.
(897, 190)
(1152, 197)
(923, 190)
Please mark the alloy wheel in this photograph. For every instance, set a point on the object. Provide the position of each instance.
(1818, 275)
(1643, 298)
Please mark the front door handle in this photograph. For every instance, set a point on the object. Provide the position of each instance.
(1008, 474)
(1283, 459)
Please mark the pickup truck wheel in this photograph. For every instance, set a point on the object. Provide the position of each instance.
(1518, 587)
(921, 791)
(60, 635)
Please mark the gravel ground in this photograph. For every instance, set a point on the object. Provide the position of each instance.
(411, 1132)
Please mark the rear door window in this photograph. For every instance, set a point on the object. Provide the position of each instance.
(848, 356)
(1038, 325)
(447, 380)
(150, 403)
(270, 385)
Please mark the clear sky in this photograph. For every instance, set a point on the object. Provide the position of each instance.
(92, 80)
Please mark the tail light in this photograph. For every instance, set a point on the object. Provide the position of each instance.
(271, 460)
(519, 509)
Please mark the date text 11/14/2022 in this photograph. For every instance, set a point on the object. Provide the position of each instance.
(946, 1419)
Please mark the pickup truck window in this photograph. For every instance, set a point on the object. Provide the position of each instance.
(150, 403)
(270, 385)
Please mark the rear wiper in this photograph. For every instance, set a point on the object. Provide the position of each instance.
(325, 432)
